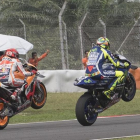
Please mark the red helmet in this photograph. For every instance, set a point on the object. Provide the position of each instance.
(12, 53)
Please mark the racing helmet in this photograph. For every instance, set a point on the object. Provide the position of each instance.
(103, 42)
(13, 53)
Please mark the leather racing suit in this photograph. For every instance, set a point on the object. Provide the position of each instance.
(96, 58)
(8, 66)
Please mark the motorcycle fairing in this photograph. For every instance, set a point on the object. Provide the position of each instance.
(84, 81)
(30, 90)
(89, 82)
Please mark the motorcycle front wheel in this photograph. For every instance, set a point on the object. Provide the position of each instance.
(3, 120)
(130, 89)
(40, 97)
(85, 113)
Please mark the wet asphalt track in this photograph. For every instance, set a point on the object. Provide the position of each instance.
(72, 130)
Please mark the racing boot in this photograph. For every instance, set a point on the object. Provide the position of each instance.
(15, 94)
(18, 91)
(15, 98)
(108, 94)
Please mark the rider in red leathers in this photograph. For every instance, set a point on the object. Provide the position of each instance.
(9, 64)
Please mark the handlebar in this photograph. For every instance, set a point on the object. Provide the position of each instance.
(40, 75)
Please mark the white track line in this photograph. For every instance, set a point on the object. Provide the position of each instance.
(116, 137)
(116, 116)
(44, 122)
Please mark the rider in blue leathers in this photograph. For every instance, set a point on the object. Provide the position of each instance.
(97, 57)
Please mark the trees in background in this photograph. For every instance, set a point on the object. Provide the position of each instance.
(42, 26)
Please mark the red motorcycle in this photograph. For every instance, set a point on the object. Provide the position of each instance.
(35, 95)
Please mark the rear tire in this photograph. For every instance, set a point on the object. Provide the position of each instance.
(40, 97)
(130, 89)
(3, 120)
(84, 110)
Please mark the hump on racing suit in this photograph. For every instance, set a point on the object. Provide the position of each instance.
(96, 58)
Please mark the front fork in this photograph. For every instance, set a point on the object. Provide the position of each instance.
(29, 92)
(38, 85)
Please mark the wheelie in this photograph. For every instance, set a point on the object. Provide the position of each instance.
(107, 80)
(19, 87)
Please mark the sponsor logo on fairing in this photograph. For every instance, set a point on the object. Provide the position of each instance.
(90, 68)
(109, 72)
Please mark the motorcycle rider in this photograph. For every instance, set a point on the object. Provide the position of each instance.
(98, 56)
(9, 64)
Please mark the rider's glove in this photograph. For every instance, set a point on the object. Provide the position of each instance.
(33, 72)
(126, 64)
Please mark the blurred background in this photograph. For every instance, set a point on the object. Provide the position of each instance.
(69, 27)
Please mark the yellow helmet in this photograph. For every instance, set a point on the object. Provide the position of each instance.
(103, 42)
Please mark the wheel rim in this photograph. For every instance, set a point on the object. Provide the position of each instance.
(40, 98)
(3, 120)
(1, 106)
(90, 115)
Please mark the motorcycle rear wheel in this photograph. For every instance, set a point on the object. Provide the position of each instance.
(84, 110)
(40, 97)
(3, 120)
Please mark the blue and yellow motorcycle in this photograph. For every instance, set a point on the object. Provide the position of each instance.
(94, 101)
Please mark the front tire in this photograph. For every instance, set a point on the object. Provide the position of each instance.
(3, 120)
(40, 97)
(84, 110)
(130, 89)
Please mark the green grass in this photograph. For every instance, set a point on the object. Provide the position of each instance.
(61, 106)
